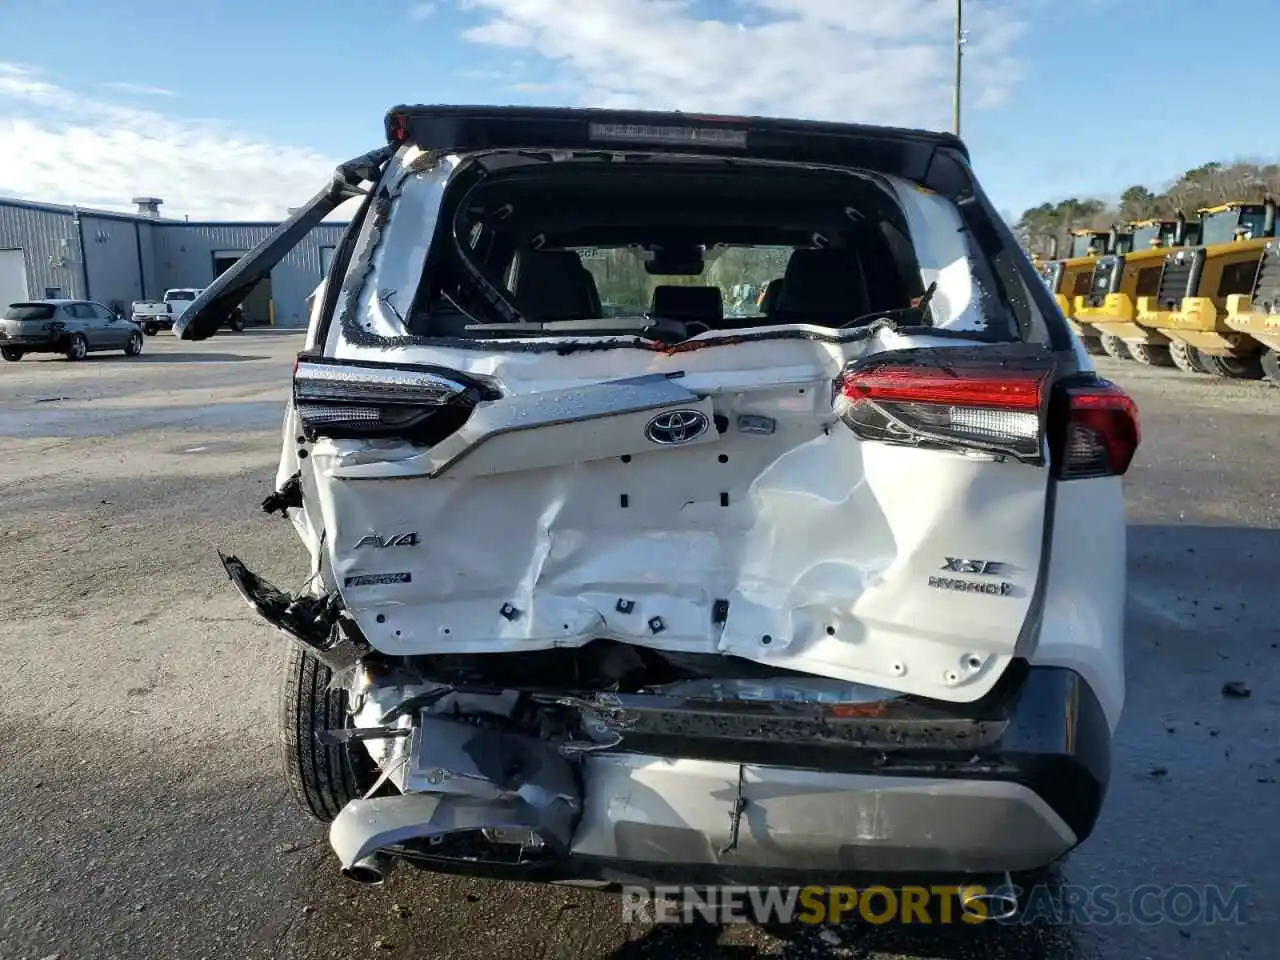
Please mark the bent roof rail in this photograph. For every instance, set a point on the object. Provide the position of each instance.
(466, 129)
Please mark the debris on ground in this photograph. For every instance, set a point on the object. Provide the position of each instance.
(1236, 689)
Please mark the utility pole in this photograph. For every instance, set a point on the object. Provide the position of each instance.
(955, 105)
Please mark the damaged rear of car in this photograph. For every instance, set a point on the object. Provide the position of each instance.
(618, 578)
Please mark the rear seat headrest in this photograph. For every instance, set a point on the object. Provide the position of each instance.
(822, 286)
(554, 285)
(769, 302)
(701, 304)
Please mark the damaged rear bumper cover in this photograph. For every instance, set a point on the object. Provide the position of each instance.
(682, 789)
(700, 811)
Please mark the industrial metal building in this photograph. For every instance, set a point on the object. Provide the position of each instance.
(50, 250)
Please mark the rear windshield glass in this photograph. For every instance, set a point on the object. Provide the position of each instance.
(29, 311)
(710, 247)
(180, 295)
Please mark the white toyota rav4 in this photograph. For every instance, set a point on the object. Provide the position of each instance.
(826, 587)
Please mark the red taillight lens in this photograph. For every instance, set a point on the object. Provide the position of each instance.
(960, 405)
(1101, 432)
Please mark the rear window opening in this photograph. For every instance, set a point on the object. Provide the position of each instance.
(668, 249)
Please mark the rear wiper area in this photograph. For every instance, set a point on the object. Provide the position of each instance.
(215, 304)
(919, 310)
(665, 331)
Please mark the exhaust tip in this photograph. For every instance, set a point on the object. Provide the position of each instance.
(370, 871)
(1000, 903)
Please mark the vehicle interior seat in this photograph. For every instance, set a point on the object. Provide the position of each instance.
(688, 304)
(769, 302)
(824, 286)
(554, 285)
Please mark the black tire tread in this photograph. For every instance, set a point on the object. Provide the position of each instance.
(1114, 347)
(1270, 360)
(323, 779)
(1243, 368)
(1093, 345)
(1150, 355)
(1185, 357)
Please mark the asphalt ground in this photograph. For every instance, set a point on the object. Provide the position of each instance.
(142, 813)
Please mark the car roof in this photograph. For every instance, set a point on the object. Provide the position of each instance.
(45, 301)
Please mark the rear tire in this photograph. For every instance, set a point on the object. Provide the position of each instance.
(12, 354)
(1270, 360)
(1114, 347)
(1150, 355)
(1185, 357)
(323, 779)
(1093, 345)
(77, 347)
(236, 323)
(150, 329)
(134, 346)
(1233, 368)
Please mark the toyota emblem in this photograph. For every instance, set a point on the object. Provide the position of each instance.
(678, 426)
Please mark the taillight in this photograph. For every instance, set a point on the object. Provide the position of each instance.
(1096, 431)
(958, 405)
(345, 398)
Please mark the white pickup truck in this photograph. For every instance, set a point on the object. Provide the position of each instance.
(155, 315)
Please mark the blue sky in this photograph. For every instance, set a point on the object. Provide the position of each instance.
(235, 108)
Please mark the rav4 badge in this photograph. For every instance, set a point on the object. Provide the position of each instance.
(399, 540)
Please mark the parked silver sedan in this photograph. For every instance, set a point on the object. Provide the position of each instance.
(70, 327)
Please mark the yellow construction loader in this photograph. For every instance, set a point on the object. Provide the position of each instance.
(1072, 276)
(1257, 314)
(1108, 310)
(1190, 303)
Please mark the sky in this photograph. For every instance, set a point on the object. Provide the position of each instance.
(234, 109)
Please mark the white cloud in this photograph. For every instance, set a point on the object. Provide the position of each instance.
(142, 89)
(879, 61)
(421, 11)
(64, 147)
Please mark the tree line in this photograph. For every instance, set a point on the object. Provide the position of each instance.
(1204, 186)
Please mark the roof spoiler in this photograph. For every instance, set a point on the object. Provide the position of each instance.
(212, 308)
(466, 129)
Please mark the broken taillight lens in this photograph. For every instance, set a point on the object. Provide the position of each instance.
(991, 408)
(1097, 432)
(345, 398)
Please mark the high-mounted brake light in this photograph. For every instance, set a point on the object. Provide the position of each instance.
(989, 408)
(343, 399)
(646, 133)
(1099, 432)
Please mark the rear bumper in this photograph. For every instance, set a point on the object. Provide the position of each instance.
(1022, 794)
(35, 344)
(154, 321)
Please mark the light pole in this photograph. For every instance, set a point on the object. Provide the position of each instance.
(955, 104)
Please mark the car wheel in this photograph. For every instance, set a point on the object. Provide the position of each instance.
(77, 347)
(1114, 347)
(1185, 357)
(1270, 361)
(134, 346)
(150, 329)
(236, 323)
(1150, 355)
(323, 778)
(12, 354)
(1093, 345)
(1233, 368)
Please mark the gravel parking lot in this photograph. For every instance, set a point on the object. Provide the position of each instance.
(142, 815)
